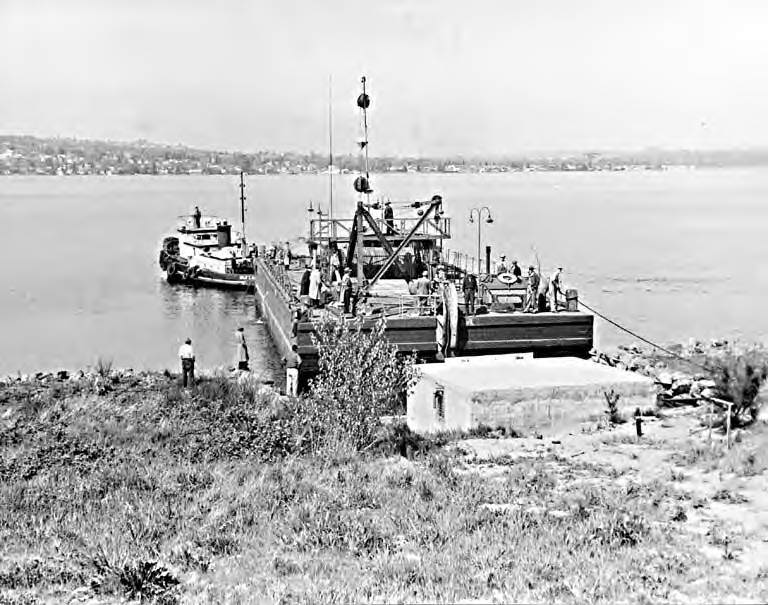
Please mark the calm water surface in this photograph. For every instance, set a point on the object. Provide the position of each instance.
(673, 255)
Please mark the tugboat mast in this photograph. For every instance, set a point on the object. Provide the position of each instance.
(242, 208)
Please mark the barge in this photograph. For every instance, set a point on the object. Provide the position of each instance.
(399, 271)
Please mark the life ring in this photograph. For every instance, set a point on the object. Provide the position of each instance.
(507, 278)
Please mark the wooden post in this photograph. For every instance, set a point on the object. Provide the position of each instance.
(728, 426)
(711, 414)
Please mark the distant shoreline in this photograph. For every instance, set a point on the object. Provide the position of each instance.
(28, 155)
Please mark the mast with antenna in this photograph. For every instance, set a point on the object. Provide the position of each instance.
(362, 183)
(242, 208)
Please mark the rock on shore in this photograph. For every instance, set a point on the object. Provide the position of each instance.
(682, 378)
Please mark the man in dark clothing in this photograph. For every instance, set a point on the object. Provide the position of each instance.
(516, 270)
(469, 285)
(389, 218)
(197, 215)
(346, 289)
(301, 315)
(304, 285)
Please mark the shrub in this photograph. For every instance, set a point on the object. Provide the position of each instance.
(103, 366)
(738, 378)
(361, 378)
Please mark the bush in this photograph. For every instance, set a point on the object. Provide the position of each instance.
(738, 378)
(361, 378)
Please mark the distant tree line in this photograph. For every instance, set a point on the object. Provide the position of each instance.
(66, 156)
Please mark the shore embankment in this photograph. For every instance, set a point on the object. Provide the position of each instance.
(121, 485)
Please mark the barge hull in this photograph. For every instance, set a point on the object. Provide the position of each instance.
(543, 334)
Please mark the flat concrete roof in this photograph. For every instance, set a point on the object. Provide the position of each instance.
(510, 371)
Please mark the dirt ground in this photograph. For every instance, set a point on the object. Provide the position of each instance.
(723, 492)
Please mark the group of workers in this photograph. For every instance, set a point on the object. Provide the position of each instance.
(292, 362)
(187, 357)
(539, 291)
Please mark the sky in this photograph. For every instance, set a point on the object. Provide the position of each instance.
(445, 76)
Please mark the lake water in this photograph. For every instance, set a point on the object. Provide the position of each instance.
(672, 255)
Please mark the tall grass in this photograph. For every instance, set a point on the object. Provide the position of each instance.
(208, 495)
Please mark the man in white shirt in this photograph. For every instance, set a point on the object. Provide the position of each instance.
(292, 363)
(187, 356)
(555, 287)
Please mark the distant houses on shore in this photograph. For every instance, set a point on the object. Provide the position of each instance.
(53, 156)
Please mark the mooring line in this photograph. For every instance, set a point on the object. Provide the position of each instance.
(636, 335)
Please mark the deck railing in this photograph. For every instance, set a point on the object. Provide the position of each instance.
(324, 228)
(279, 275)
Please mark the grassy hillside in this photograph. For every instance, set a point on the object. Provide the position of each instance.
(132, 489)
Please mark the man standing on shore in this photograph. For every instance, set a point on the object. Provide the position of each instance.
(469, 285)
(292, 363)
(187, 356)
(241, 354)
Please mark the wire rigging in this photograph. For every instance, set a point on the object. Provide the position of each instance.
(645, 340)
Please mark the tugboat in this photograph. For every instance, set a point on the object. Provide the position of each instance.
(202, 252)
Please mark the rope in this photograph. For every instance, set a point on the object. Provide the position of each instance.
(645, 340)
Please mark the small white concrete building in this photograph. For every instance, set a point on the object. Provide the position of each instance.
(519, 392)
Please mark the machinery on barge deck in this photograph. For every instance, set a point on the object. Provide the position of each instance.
(389, 261)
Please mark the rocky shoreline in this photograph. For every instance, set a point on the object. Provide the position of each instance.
(682, 373)
(101, 381)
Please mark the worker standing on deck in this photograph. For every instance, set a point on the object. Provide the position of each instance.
(532, 291)
(241, 351)
(389, 218)
(187, 357)
(469, 285)
(346, 289)
(555, 287)
(292, 363)
(304, 283)
(516, 271)
(502, 266)
(287, 256)
(423, 290)
(315, 283)
(196, 216)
